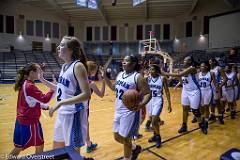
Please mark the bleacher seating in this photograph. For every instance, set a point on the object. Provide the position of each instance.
(11, 62)
(199, 56)
(8, 65)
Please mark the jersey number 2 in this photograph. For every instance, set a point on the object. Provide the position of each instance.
(119, 94)
(59, 94)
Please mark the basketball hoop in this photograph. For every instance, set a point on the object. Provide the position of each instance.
(151, 47)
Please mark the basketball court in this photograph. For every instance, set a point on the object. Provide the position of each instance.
(192, 145)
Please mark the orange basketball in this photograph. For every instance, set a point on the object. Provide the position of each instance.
(131, 98)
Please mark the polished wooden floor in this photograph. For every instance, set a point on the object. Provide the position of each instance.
(191, 146)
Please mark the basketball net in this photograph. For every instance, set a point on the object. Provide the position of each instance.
(151, 46)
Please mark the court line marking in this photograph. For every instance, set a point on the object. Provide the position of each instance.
(161, 157)
(177, 136)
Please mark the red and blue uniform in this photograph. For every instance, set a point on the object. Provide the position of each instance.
(28, 130)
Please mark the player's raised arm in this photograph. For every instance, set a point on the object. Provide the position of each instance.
(187, 71)
(46, 82)
(107, 80)
(95, 89)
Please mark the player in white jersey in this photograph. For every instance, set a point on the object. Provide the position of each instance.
(191, 94)
(221, 80)
(73, 92)
(156, 84)
(236, 85)
(228, 90)
(126, 122)
(205, 78)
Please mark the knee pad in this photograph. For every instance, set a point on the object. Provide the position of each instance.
(196, 113)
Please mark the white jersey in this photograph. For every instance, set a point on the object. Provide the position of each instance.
(204, 81)
(228, 89)
(123, 83)
(230, 80)
(68, 87)
(156, 86)
(155, 105)
(190, 82)
(217, 73)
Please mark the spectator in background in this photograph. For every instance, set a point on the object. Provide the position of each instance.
(233, 56)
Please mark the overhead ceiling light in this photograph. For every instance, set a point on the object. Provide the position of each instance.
(202, 38)
(87, 3)
(20, 36)
(176, 40)
(47, 38)
(137, 2)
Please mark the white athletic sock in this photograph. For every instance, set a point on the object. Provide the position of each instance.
(134, 146)
(126, 158)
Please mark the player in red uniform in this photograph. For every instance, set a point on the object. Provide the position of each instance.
(28, 130)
